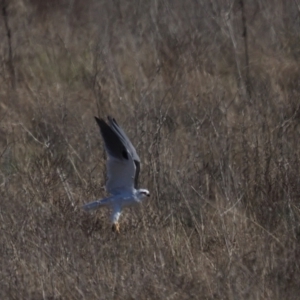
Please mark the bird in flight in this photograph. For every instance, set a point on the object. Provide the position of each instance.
(123, 168)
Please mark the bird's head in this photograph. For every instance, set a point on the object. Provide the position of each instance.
(142, 193)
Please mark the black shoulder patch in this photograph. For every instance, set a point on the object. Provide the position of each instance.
(125, 154)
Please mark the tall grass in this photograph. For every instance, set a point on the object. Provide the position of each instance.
(214, 117)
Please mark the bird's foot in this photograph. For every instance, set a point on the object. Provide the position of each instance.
(116, 227)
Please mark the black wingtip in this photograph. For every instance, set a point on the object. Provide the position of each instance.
(99, 120)
(114, 146)
(111, 119)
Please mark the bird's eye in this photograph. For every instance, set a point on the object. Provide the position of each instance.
(146, 194)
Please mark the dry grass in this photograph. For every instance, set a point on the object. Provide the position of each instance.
(217, 129)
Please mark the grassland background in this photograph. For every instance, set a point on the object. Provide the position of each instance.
(208, 91)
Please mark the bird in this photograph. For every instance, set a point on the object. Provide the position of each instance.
(123, 168)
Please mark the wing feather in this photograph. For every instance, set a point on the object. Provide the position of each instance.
(126, 141)
(121, 168)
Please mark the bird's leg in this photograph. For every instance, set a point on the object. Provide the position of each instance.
(116, 227)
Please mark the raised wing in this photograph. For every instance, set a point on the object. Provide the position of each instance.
(120, 166)
(125, 140)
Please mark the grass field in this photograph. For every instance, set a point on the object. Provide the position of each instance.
(208, 91)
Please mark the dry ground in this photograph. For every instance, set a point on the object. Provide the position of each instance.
(209, 93)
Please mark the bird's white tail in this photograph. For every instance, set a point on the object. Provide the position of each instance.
(96, 204)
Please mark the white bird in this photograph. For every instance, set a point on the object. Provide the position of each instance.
(123, 168)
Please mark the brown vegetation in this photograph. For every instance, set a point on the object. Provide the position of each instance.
(208, 91)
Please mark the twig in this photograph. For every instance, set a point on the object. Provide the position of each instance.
(245, 37)
(8, 34)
